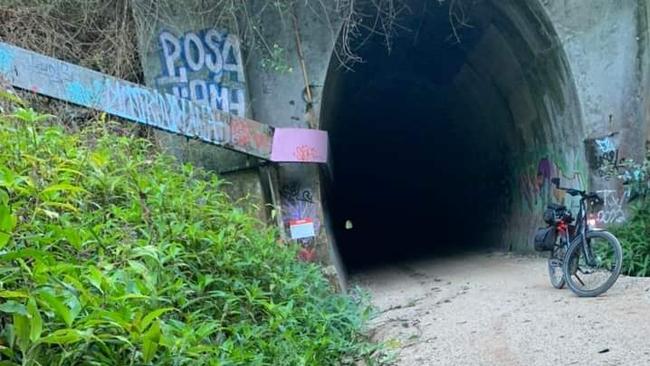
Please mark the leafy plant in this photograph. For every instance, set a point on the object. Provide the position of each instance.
(635, 176)
(113, 254)
(634, 237)
(634, 234)
(276, 60)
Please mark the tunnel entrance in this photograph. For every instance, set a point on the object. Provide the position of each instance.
(429, 140)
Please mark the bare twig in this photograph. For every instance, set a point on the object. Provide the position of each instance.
(101, 34)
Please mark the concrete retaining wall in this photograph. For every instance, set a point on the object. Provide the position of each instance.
(584, 67)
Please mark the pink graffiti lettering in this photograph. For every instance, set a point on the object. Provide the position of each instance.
(305, 153)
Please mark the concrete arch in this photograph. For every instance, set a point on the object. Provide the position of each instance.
(445, 143)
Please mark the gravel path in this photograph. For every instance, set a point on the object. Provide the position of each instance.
(500, 309)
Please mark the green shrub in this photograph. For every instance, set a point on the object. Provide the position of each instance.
(634, 236)
(113, 254)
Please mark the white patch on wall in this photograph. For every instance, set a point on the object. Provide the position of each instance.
(301, 229)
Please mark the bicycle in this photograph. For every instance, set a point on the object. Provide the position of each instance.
(580, 254)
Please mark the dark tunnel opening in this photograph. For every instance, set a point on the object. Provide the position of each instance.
(427, 139)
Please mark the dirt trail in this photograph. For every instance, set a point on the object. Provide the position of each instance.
(500, 309)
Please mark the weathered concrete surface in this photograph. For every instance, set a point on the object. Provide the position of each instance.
(281, 99)
(543, 77)
(177, 21)
(277, 99)
(87, 88)
(244, 186)
(644, 42)
(184, 52)
(547, 73)
(496, 309)
(521, 83)
(606, 45)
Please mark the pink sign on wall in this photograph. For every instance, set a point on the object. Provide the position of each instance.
(299, 145)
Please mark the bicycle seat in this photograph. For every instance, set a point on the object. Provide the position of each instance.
(556, 207)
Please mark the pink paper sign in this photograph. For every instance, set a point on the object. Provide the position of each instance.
(299, 145)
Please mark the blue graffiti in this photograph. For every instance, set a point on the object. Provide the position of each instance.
(165, 111)
(77, 93)
(56, 79)
(204, 67)
(6, 61)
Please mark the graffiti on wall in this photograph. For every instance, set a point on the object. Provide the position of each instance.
(537, 188)
(606, 161)
(246, 132)
(606, 147)
(612, 210)
(604, 153)
(205, 67)
(298, 205)
(57, 79)
(6, 61)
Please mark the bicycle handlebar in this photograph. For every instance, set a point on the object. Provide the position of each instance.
(585, 195)
(576, 192)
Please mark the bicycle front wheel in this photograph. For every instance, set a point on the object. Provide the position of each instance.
(592, 268)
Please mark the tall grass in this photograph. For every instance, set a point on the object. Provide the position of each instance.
(112, 254)
(634, 236)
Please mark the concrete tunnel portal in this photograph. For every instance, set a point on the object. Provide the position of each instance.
(427, 140)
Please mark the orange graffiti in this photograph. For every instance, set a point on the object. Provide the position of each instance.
(249, 137)
(305, 153)
(240, 132)
(262, 142)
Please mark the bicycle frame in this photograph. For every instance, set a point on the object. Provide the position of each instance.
(576, 242)
(580, 235)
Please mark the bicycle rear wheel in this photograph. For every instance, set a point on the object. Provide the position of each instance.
(591, 269)
(555, 272)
